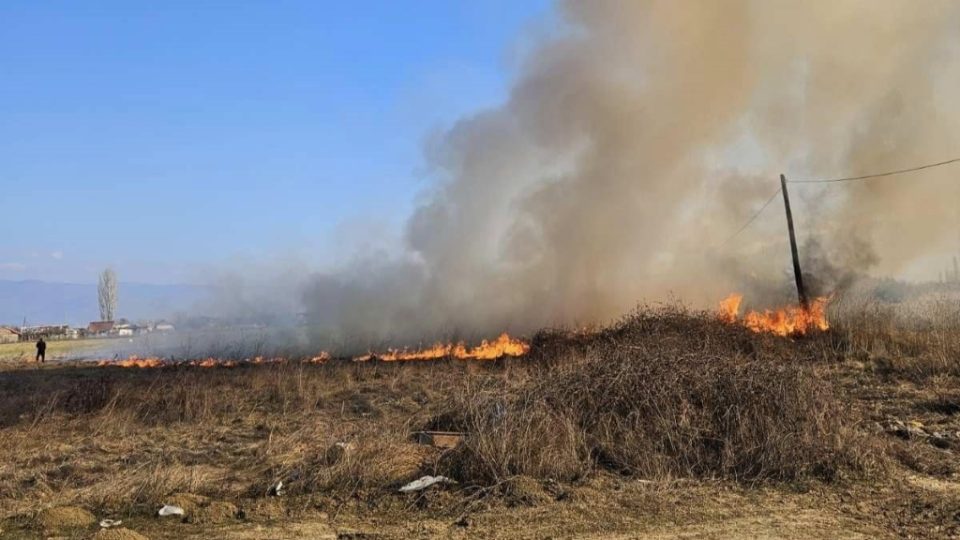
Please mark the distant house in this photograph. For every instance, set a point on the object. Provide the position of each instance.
(100, 328)
(9, 335)
(123, 330)
(163, 327)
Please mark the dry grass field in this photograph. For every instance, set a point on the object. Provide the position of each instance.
(15, 353)
(666, 424)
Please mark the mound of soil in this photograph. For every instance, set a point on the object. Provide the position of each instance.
(118, 534)
(526, 491)
(64, 517)
(190, 502)
(217, 512)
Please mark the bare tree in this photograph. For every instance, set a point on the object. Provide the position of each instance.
(107, 292)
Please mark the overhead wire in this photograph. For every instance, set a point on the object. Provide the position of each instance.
(834, 180)
(752, 218)
(876, 175)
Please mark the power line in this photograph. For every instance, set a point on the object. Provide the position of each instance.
(833, 180)
(752, 218)
(877, 175)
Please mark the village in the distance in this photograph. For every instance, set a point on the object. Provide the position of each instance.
(96, 329)
(58, 312)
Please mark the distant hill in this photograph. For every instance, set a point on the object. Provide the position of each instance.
(42, 302)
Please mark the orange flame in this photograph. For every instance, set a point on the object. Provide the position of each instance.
(487, 350)
(788, 321)
(729, 308)
(153, 362)
(133, 362)
(319, 359)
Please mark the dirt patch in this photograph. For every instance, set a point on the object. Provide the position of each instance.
(118, 534)
(64, 517)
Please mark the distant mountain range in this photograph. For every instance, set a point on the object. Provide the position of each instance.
(41, 302)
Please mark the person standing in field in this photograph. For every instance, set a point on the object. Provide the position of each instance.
(41, 350)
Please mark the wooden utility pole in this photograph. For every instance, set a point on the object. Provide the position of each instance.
(797, 274)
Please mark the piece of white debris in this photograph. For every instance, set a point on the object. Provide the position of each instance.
(107, 523)
(170, 510)
(276, 490)
(425, 482)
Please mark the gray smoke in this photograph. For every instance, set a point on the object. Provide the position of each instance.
(642, 134)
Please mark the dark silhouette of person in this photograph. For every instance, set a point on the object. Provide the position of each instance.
(41, 350)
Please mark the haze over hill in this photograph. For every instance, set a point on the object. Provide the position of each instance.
(41, 302)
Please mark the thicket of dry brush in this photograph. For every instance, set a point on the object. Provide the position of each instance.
(662, 394)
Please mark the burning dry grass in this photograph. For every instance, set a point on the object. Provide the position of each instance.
(663, 394)
(787, 321)
(501, 347)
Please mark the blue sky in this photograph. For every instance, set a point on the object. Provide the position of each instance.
(167, 138)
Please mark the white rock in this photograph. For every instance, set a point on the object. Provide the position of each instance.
(170, 510)
(425, 482)
(107, 523)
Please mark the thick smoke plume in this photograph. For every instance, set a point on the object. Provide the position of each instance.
(642, 134)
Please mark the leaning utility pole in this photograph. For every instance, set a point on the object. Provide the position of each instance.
(797, 274)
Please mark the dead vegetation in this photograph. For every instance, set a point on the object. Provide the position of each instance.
(663, 396)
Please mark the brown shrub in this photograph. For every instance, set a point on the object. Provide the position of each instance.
(663, 394)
